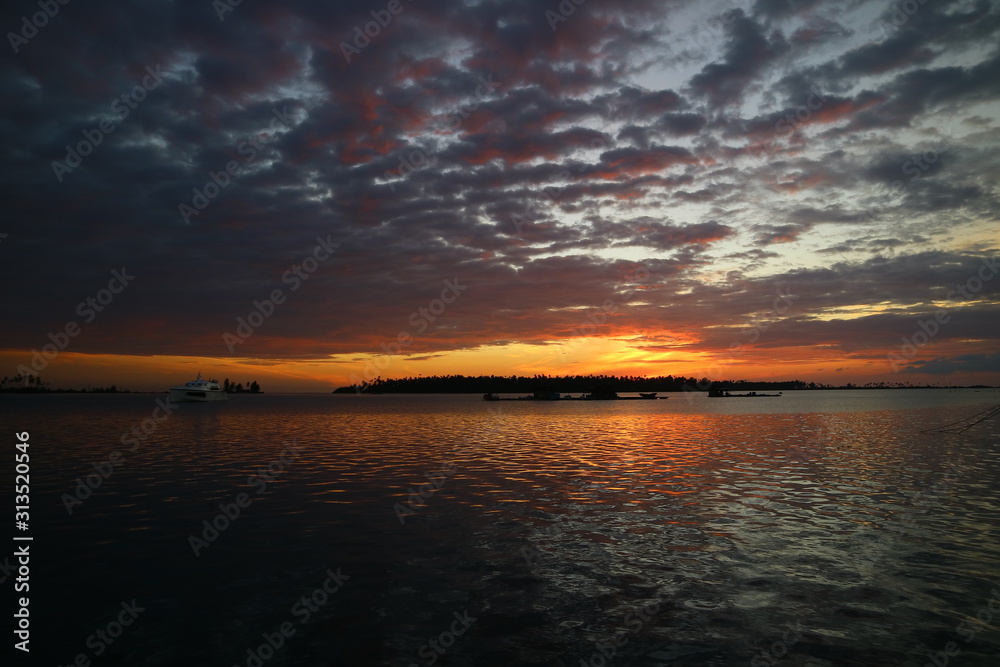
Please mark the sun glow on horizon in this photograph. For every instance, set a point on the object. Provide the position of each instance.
(584, 355)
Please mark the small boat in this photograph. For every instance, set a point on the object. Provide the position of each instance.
(197, 390)
(600, 394)
(719, 393)
(603, 392)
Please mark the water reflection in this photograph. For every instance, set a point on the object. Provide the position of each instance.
(555, 525)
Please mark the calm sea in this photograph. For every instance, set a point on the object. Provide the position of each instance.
(819, 528)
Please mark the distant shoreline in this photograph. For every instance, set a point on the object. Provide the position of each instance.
(601, 384)
(64, 392)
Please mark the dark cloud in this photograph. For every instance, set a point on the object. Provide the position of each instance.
(768, 234)
(817, 32)
(964, 363)
(635, 103)
(682, 124)
(903, 49)
(779, 9)
(748, 52)
(473, 142)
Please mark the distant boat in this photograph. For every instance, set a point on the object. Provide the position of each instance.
(600, 394)
(197, 390)
(603, 392)
(719, 393)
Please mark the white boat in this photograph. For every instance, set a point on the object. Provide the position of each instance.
(197, 390)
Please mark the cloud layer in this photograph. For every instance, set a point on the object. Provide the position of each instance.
(685, 160)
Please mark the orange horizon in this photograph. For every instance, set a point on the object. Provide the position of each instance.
(71, 370)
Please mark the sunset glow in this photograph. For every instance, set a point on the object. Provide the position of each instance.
(732, 191)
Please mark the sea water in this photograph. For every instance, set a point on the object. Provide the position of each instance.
(818, 528)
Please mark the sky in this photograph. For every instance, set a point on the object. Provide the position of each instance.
(314, 193)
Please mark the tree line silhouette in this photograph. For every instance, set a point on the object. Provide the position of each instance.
(32, 384)
(513, 384)
(237, 388)
(499, 384)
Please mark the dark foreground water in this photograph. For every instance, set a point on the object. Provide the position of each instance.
(820, 528)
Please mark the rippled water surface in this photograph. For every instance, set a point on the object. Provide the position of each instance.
(819, 528)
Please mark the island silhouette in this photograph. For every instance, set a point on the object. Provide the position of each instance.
(540, 385)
